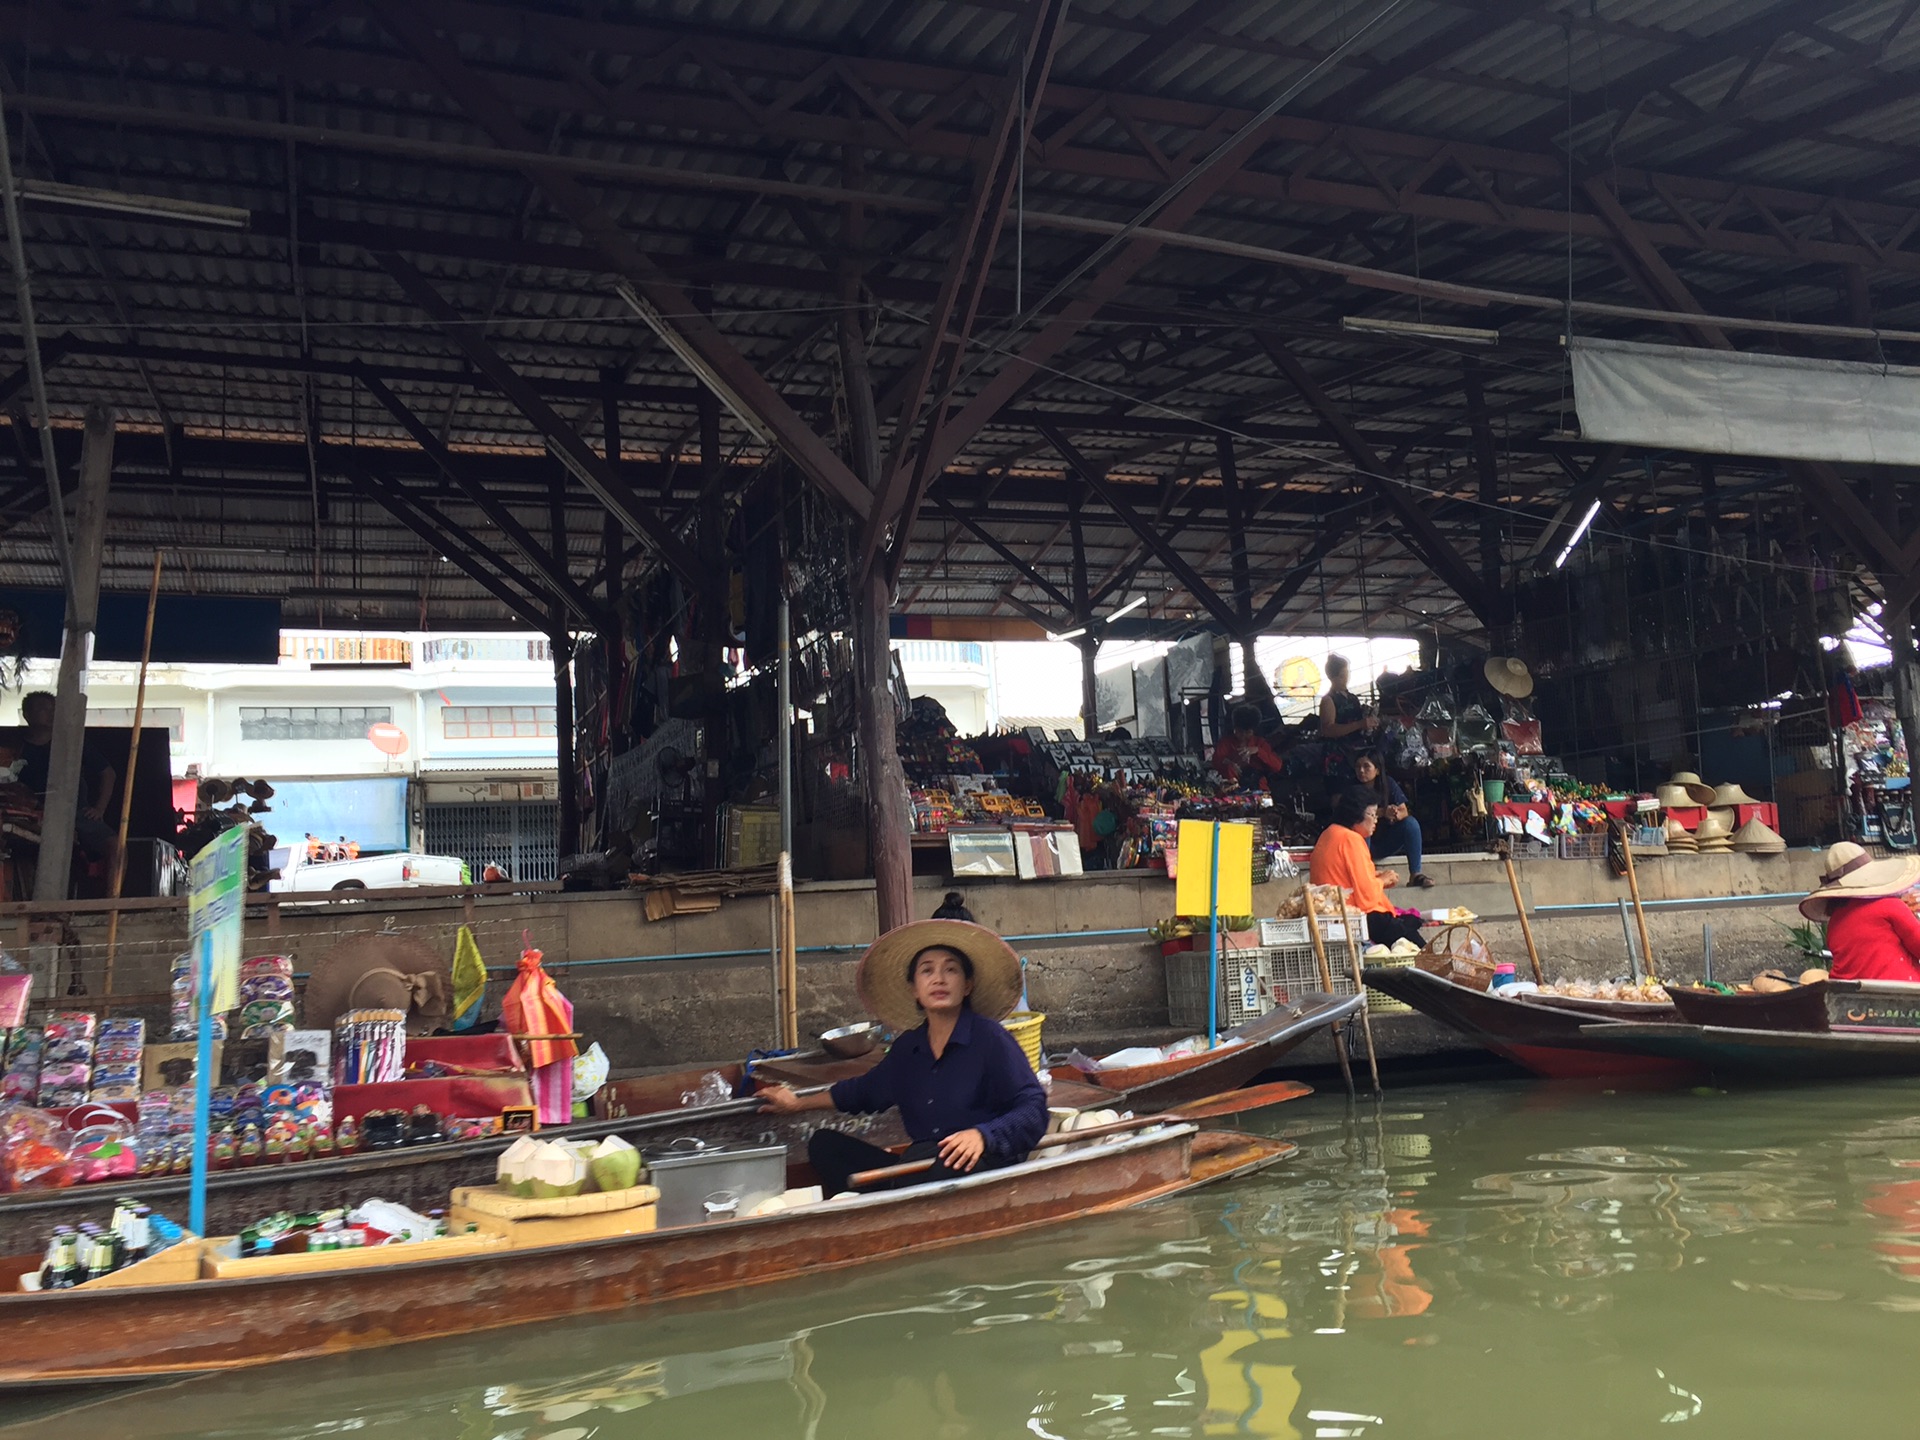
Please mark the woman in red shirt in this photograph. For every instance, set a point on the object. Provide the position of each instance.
(1871, 928)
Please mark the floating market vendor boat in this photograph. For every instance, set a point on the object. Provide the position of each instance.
(1551, 1035)
(1244, 1053)
(1827, 1030)
(102, 1332)
(649, 1110)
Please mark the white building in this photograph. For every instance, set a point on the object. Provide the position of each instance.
(474, 773)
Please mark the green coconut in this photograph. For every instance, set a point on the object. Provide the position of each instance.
(614, 1164)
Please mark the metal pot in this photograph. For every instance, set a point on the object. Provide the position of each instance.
(850, 1041)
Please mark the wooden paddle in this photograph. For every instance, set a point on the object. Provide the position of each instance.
(1212, 1107)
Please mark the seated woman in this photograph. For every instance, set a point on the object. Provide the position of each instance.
(1871, 927)
(1341, 857)
(1245, 757)
(966, 1094)
(1398, 833)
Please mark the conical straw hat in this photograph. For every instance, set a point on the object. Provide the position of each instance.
(1732, 794)
(1714, 827)
(1758, 837)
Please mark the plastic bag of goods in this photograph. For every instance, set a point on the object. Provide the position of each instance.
(590, 1069)
(34, 1150)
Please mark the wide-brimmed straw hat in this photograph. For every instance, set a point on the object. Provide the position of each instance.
(1701, 792)
(1727, 796)
(1509, 676)
(888, 994)
(1853, 874)
(1675, 797)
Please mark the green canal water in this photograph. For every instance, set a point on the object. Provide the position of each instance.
(1489, 1260)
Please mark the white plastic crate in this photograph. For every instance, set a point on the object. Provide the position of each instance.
(1252, 982)
(1245, 992)
(1294, 932)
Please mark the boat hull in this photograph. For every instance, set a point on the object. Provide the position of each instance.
(1550, 1040)
(1790, 1055)
(80, 1337)
(1148, 1089)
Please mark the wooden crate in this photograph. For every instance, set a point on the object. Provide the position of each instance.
(557, 1230)
(174, 1265)
(492, 1200)
(447, 1247)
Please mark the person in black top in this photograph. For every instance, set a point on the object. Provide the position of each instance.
(954, 907)
(1342, 716)
(97, 778)
(1398, 833)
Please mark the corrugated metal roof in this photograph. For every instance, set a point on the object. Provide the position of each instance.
(768, 88)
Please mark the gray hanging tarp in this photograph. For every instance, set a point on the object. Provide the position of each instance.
(1670, 397)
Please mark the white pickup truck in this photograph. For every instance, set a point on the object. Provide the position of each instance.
(369, 872)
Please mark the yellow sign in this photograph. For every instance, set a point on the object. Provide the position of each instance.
(1194, 888)
(1297, 678)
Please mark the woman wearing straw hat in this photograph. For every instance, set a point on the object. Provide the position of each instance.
(967, 1097)
(1871, 929)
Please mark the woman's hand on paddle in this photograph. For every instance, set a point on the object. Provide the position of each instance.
(962, 1150)
(780, 1100)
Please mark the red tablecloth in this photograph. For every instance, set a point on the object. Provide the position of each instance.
(487, 1054)
(475, 1096)
(1521, 809)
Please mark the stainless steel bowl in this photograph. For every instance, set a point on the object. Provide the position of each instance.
(850, 1041)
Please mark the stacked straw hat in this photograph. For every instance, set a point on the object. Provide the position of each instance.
(1697, 791)
(1680, 840)
(1756, 837)
(1714, 835)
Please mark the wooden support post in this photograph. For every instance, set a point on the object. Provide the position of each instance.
(1520, 909)
(1350, 921)
(1326, 984)
(889, 837)
(126, 786)
(568, 837)
(1633, 887)
(70, 712)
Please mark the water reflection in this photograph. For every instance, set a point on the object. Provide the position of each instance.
(1511, 1260)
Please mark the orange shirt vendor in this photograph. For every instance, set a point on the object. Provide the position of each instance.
(1341, 857)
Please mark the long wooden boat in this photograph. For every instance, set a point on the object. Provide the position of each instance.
(89, 1336)
(1550, 1039)
(647, 1111)
(1147, 1089)
(1723, 1050)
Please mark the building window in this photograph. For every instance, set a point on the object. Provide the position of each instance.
(311, 722)
(497, 722)
(166, 718)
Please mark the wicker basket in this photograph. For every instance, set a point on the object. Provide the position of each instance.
(1378, 1001)
(1024, 1026)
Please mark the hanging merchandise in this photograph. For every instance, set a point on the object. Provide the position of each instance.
(1437, 729)
(541, 1018)
(469, 980)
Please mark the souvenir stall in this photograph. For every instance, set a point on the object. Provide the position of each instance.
(87, 1097)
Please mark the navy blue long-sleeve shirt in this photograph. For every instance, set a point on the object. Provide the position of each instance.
(982, 1082)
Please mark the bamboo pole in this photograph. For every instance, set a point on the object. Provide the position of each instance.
(126, 786)
(1326, 983)
(1633, 888)
(1520, 909)
(789, 959)
(1360, 989)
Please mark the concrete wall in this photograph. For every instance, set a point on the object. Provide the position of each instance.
(697, 987)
